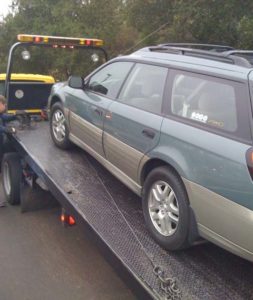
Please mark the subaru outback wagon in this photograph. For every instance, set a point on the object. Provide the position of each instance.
(174, 125)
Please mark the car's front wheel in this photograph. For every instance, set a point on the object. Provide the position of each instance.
(58, 127)
(166, 208)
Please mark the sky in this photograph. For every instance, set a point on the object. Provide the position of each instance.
(4, 7)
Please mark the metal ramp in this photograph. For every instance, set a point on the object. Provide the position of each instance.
(113, 218)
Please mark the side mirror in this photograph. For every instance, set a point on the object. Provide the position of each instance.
(76, 82)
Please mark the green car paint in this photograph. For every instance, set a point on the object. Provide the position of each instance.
(208, 157)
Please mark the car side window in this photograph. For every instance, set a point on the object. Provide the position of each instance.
(204, 99)
(144, 87)
(108, 80)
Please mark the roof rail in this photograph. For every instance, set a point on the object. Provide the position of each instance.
(233, 52)
(210, 47)
(247, 54)
(217, 56)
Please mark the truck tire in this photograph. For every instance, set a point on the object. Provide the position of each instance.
(166, 209)
(11, 177)
(58, 127)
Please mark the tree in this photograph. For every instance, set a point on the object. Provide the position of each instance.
(127, 24)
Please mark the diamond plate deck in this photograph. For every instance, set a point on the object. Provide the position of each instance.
(203, 272)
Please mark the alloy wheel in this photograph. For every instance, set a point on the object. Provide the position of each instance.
(58, 125)
(163, 208)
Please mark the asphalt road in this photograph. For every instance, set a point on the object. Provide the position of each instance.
(39, 259)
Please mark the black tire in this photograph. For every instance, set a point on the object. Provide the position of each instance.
(177, 239)
(64, 142)
(11, 177)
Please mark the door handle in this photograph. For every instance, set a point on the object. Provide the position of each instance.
(150, 133)
(98, 111)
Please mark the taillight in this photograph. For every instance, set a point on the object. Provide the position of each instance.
(249, 160)
(66, 219)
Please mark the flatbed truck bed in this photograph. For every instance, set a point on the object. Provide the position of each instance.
(112, 216)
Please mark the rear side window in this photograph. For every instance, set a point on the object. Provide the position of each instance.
(206, 101)
(108, 80)
(219, 104)
(144, 87)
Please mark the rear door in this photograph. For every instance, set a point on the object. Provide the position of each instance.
(209, 127)
(88, 107)
(132, 124)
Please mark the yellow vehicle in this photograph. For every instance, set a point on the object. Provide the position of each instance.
(27, 92)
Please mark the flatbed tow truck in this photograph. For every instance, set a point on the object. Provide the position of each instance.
(39, 174)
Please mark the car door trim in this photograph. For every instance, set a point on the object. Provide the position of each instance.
(86, 131)
(219, 223)
(116, 151)
(130, 183)
(85, 123)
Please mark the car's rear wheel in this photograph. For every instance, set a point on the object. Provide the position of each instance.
(58, 127)
(166, 208)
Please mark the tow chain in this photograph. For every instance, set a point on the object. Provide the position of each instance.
(168, 285)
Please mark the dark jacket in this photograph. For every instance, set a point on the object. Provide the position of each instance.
(5, 118)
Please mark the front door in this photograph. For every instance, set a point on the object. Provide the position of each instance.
(88, 106)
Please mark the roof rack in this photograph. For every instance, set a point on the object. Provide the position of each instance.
(210, 47)
(233, 52)
(247, 54)
(224, 56)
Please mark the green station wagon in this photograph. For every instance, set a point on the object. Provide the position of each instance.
(174, 124)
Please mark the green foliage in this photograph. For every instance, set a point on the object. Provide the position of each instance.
(124, 25)
(210, 21)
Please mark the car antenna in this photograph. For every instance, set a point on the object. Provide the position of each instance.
(147, 36)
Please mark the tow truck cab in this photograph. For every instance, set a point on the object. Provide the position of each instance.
(27, 92)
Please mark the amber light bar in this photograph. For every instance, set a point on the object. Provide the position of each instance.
(59, 41)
